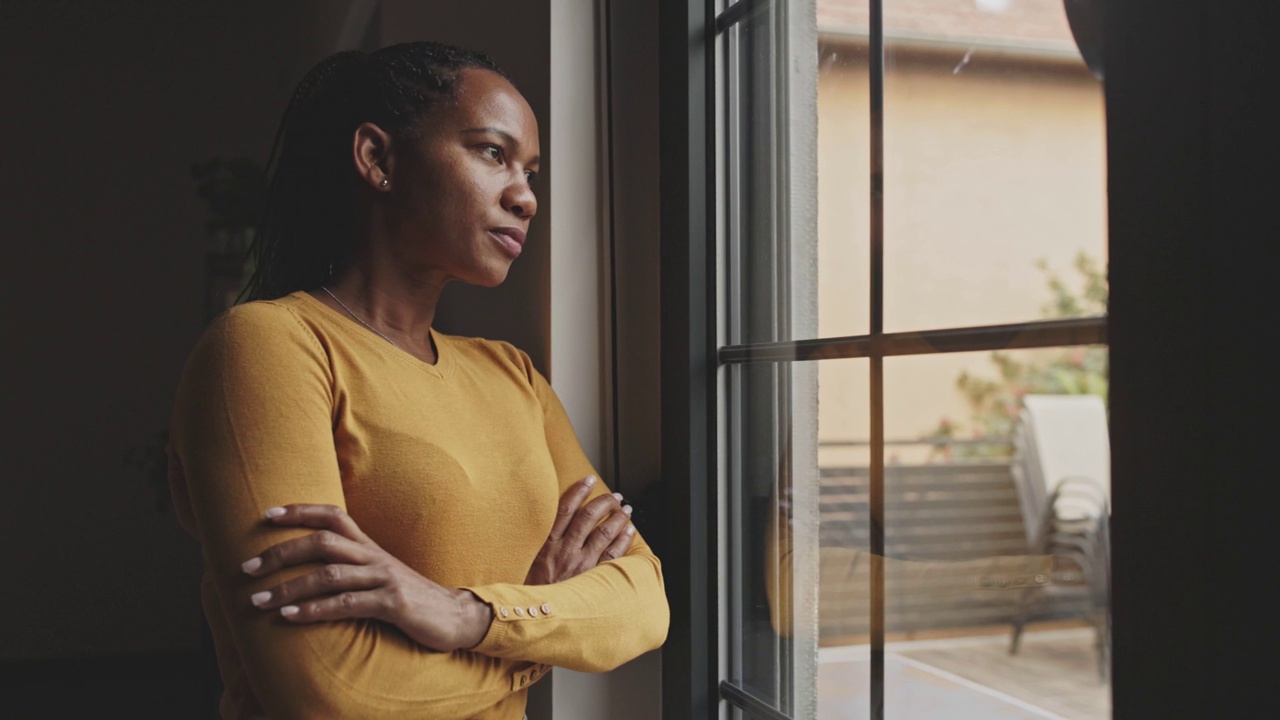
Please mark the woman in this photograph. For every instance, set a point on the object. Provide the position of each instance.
(396, 522)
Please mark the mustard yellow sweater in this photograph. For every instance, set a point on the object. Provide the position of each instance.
(455, 468)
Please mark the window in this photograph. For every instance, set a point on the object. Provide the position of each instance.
(909, 288)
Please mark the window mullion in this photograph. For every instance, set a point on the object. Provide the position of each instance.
(735, 13)
(875, 506)
(1014, 336)
(752, 705)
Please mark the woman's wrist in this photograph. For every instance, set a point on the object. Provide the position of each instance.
(474, 618)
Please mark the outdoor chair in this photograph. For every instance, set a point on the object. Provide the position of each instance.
(1062, 471)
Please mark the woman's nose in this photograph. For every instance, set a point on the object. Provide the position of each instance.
(519, 200)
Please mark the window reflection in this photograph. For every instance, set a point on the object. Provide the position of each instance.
(996, 549)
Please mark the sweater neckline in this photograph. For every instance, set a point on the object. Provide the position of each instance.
(444, 352)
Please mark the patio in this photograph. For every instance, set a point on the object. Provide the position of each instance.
(1054, 676)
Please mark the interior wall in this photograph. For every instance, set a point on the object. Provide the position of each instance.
(106, 107)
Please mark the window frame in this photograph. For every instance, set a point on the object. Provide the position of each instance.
(1190, 157)
(874, 346)
(690, 658)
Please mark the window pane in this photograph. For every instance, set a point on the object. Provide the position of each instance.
(774, 264)
(762, 480)
(844, 587)
(786, 424)
(994, 153)
(758, 254)
(976, 443)
(844, 221)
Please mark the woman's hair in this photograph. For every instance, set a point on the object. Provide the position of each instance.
(309, 224)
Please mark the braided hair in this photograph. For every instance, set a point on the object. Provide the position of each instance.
(309, 223)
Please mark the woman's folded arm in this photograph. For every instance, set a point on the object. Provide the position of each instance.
(596, 621)
(592, 622)
(253, 429)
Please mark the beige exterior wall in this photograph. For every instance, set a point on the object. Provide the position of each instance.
(991, 164)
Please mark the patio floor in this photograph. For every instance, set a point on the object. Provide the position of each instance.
(1054, 676)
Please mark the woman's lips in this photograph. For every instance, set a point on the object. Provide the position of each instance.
(512, 239)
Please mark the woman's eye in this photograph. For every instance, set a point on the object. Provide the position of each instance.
(493, 151)
(529, 175)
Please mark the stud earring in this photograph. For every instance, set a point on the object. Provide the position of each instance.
(385, 182)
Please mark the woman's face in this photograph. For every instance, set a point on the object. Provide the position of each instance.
(461, 200)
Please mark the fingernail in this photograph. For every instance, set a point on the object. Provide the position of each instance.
(618, 496)
(275, 512)
(627, 509)
(631, 529)
(289, 610)
(260, 598)
(251, 564)
(591, 480)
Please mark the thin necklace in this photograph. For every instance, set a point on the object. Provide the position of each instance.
(357, 317)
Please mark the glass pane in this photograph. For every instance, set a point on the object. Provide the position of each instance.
(758, 255)
(844, 189)
(844, 588)
(996, 512)
(791, 258)
(790, 543)
(994, 159)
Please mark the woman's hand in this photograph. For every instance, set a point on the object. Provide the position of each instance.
(361, 580)
(579, 540)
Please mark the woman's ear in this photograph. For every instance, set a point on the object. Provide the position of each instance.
(371, 152)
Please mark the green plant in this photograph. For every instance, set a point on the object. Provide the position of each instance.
(994, 403)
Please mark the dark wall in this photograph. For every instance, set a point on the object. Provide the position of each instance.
(1193, 159)
(105, 107)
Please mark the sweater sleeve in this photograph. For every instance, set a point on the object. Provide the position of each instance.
(253, 428)
(597, 620)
